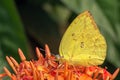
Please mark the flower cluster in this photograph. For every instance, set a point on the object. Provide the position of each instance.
(49, 68)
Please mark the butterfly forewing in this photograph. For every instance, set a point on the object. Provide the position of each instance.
(82, 42)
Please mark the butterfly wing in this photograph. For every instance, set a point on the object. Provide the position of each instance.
(82, 43)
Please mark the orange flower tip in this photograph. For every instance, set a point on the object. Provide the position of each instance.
(115, 74)
(23, 58)
(7, 58)
(38, 52)
(7, 71)
(37, 48)
(32, 66)
(9, 61)
(14, 61)
(11, 64)
(47, 50)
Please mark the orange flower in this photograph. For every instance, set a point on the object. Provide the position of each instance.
(47, 68)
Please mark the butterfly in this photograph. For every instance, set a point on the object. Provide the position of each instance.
(83, 44)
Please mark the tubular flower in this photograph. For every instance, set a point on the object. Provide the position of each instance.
(48, 68)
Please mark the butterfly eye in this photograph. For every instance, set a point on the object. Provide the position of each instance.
(82, 44)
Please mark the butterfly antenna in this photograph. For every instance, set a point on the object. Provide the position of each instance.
(42, 49)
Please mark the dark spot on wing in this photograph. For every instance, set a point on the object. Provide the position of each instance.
(82, 44)
(73, 35)
(89, 57)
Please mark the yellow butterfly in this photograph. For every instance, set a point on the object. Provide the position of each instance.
(82, 43)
